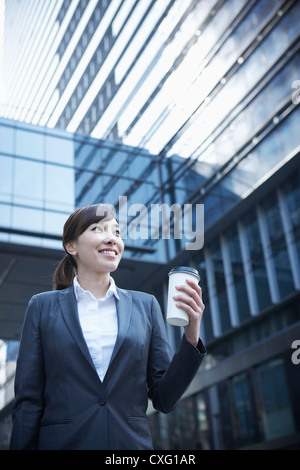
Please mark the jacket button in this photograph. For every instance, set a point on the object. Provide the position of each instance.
(102, 401)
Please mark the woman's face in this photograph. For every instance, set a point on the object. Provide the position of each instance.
(99, 248)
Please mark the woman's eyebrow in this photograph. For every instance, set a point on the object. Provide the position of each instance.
(116, 225)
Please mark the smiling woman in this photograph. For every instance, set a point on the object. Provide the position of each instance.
(97, 252)
(93, 218)
(92, 354)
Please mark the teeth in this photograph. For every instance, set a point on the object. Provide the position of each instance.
(108, 252)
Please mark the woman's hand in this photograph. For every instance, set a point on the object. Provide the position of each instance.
(192, 304)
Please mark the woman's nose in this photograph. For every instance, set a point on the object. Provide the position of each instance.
(110, 238)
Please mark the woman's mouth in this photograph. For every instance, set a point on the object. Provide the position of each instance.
(111, 253)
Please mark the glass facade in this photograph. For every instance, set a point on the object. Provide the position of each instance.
(249, 271)
(252, 408)
(248, 266)
(46, 174)
(106, 172)
(123, 62)
(37, 191)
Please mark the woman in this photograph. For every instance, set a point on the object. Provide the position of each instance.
(91, 354)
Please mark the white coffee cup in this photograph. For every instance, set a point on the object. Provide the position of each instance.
(177, 277)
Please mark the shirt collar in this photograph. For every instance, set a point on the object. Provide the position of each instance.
(79, 292)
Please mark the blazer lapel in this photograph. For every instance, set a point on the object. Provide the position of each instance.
(68, 306)
(124, 310)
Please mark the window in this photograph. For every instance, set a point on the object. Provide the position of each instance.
(73, 102)
(59, 187)
(206, 320)
(278, 245)
(79, 92)
(245, 430)
(85, 80)
(28, 182)
(97, 14)
(203, 425)
(84, 39)
(30, 144)
(257, 259)
(291, 189)
(276, 407)
(99, 56)
(93, 116)
(100, 102)
(67, 73)
(238, 274)
(92, 69)
(6, 139)
(6, 178)
(219, 276)
(28, 219)
(106, 44)
(59, 150)
(108, 90)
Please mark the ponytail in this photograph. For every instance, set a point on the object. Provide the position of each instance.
(64, 273)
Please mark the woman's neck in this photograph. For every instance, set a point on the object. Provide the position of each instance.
(97, 284)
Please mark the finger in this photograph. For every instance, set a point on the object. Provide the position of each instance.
(195, 286)
(193, 314)
(187, 300)
(188, 309)
(192, 285)
(198, 289)
(196, 294)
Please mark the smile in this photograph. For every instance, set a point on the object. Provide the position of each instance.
(108, 252)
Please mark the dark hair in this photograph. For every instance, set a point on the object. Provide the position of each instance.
(76, 224)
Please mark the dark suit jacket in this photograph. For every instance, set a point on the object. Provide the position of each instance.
(60, 402)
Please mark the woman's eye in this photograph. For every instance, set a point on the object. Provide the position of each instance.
(97, 228)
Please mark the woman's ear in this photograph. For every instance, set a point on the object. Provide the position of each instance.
(70, 248)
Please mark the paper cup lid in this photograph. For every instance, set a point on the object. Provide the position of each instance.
(185, 269)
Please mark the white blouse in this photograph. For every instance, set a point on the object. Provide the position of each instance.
(99, 323)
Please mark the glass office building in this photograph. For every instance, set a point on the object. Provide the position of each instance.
(249, 269)
(193, 103)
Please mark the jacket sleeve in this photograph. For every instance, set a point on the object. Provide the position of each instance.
(29, 383)
(169, 377)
